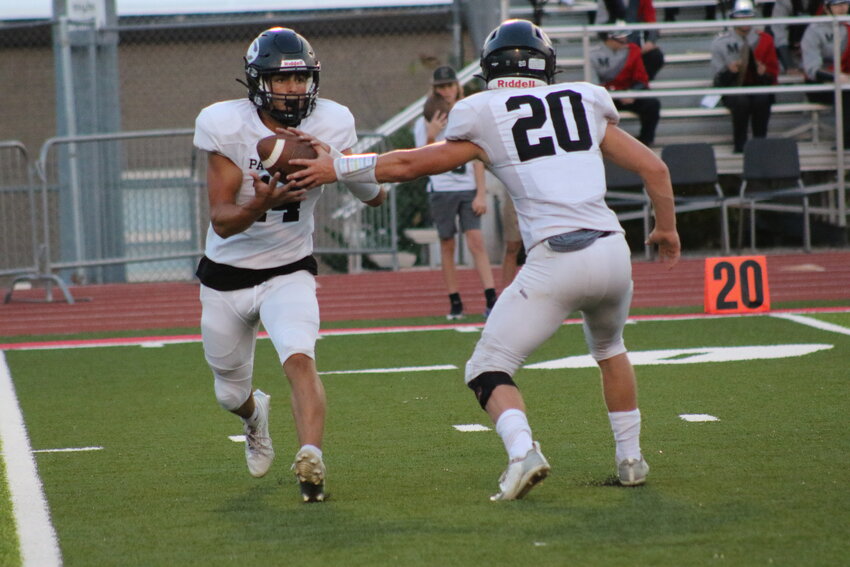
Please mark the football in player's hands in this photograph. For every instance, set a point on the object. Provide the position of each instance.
(276, 151)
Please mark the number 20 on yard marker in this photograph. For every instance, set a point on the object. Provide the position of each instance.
(736, 284)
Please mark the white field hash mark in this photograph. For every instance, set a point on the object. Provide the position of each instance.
(36, 534)
(698, 417)
(470, 427)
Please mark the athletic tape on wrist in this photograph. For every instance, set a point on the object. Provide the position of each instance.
(357, 168)
(362, 191)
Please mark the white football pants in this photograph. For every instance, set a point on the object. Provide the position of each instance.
(596, 281)
(289, 311)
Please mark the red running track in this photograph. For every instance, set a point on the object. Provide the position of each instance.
(390, 295)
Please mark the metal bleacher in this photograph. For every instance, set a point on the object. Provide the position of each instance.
(687, 28)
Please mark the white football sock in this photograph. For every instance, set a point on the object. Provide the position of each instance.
(626, 428)
(512, 426)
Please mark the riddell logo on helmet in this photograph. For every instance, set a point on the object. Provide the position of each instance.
(516, 83)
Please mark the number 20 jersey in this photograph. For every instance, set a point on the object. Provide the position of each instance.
(543, 144)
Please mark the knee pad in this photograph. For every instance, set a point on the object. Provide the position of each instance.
(484, 384)
(232, 389)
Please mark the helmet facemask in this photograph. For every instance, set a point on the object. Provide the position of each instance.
(295, 107)
(281, 51)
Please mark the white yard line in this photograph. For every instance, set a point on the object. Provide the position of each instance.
(816, 323)
(159, 341)
(69, 450)
(393, 370)
(37, 537)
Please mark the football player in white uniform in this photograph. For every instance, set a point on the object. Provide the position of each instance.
(545, 142)
(258, 264)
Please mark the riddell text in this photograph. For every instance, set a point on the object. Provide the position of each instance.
(501, 83)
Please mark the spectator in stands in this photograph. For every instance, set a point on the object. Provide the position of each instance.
(787, 37)
(457, 196)
(744, 57)
(619, 66)
(818, 61)
(632, 11)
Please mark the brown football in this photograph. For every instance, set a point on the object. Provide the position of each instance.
(276, 151)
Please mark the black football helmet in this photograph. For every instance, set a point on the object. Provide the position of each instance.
(275, 51)
(518, 48)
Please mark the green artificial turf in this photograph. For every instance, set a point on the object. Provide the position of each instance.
(761, 486)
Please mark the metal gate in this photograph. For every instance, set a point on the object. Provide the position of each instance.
(122, 207)
(19, 239)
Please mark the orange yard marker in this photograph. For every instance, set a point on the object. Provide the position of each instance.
(736, 284)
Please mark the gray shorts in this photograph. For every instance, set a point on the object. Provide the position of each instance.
(446, 206)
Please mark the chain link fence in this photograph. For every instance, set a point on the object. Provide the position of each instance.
(374, 61)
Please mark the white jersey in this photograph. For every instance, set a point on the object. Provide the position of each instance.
(233, 128)
(543, 144)
(460, 179)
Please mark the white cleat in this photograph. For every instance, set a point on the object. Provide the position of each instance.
(522, 475)
(632, 472)
(259, 453)
(310, 472)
